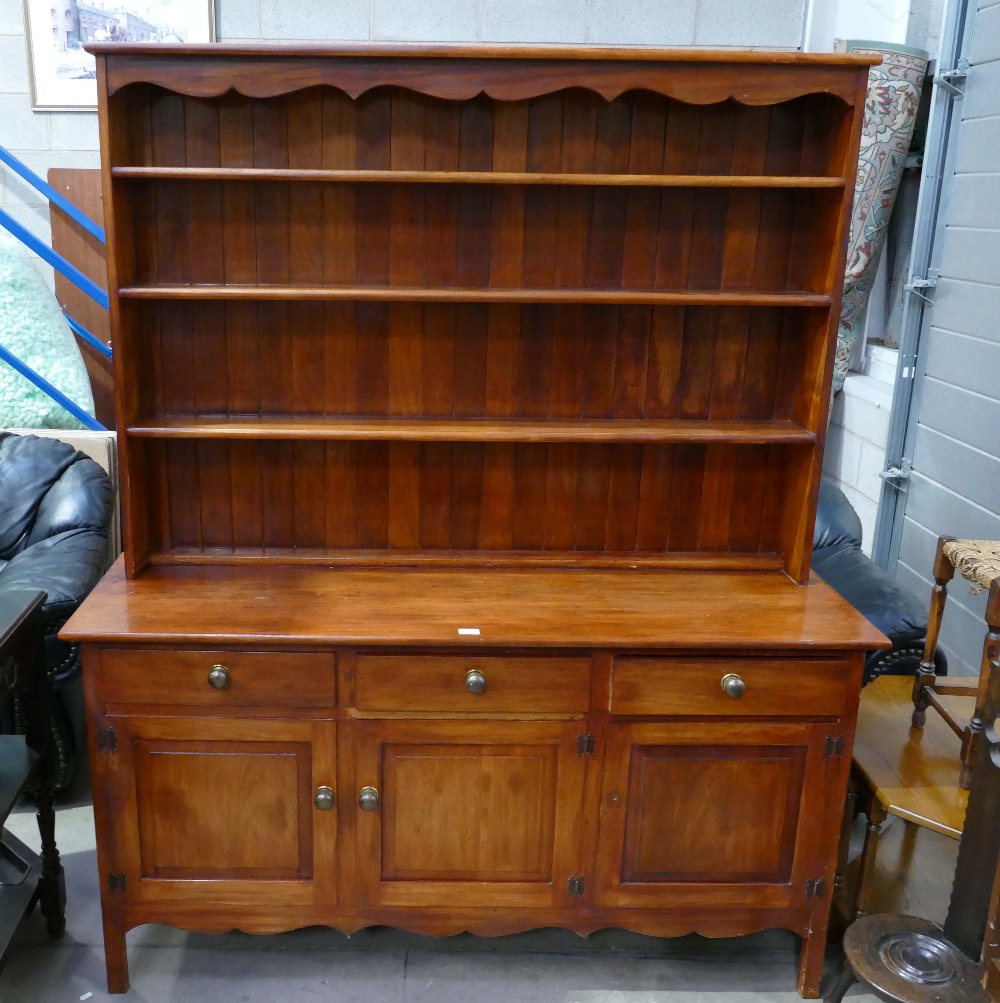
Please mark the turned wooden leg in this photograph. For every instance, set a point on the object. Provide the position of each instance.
(844, 847)
(944, 571)
(876, 815)
(974, 729)
(36, 706)
(844, 905)
(115, 956)
(845, 980)
(52, 883)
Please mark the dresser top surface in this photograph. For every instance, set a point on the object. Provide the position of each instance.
(561, 608)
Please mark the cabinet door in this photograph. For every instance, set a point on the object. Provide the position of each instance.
(710, 814)
(222, 811)
(469, 813)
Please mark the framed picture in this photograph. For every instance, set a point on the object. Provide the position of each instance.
(63, 73)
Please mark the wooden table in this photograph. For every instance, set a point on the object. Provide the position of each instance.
(899, 770)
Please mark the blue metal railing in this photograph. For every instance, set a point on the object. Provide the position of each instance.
(57, 395)
(79, 329)
(61, 265)
(41, 185)
(57, 261)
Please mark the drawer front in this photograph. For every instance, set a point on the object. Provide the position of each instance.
(773, 687)
(484, 684)
(251, 678)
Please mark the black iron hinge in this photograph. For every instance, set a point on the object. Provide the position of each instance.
(574, 886)
(117, 883)
(833, 746)
(107, 739)
(815, 888)
(586, 744)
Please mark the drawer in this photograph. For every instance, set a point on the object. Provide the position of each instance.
(439, 683)
(252, 678)
(774, 687)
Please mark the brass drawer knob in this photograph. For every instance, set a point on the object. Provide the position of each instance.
(324, 798)
(368, 798)
(733, 686)
(218, 677)
(475, 681)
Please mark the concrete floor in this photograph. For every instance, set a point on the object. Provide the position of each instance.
(314, 965)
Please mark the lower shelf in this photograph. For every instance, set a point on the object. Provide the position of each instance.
(705, 561)
(347, 429)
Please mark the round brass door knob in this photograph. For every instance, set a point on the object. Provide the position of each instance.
(218, 677)
(324, 798)
(733, 686)
(368, 798)
(475, 681)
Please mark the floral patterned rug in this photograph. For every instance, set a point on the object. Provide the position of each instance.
(890, 113)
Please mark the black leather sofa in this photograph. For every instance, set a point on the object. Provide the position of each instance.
(838, 560)
(55, 512)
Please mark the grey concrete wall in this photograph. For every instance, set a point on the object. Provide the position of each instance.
(738, 23)
(955, 489)
(69, 139)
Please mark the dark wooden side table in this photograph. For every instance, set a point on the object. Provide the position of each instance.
(903, 771)
(27, 761)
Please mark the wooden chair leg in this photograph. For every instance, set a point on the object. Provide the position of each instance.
(944, 571)
(844, 905)
(974, 729)
(876, 815)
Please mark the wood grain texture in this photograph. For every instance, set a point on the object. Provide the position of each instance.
(913, 772)
(502, 830)
(83, 188)
(447, 360)
(657, 687)
(504, 73)
(255, 679)
(667, 792)
(474, 430)
(192, 817)
(439, 683)
(447, 495)
(327, 606)
(439, 177)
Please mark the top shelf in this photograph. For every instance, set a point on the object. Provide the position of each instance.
(479, 177)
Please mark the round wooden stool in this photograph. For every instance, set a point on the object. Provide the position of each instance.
(905, 959)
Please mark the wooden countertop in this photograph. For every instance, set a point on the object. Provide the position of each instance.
(913, 771)
(326, 606)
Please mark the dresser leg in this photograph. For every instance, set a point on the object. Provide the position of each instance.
(811, 959)
(115, 956)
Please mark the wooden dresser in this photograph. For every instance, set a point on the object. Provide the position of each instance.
(471, 405)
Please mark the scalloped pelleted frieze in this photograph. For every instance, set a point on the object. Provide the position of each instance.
(480, 923)
(697, 83)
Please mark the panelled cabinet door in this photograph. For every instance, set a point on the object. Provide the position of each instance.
(468, 813)
(702, 814)
(225, 811)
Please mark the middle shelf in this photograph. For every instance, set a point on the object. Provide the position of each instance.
(471, 430)
(410, 294)
(387, 176)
